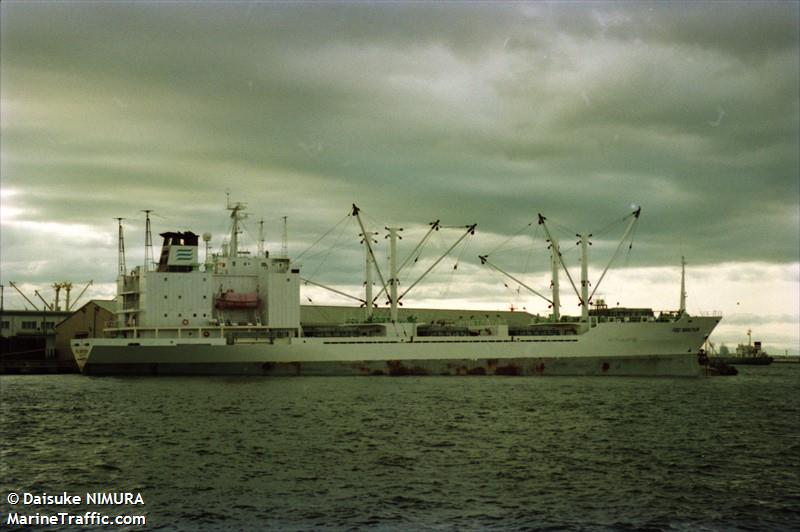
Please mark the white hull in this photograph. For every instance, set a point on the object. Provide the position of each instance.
(609, 348)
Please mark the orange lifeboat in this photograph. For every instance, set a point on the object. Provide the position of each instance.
(231, 300)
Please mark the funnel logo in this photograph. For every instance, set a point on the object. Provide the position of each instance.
(183, 254)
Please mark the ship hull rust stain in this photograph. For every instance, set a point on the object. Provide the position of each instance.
(599, 366)
(511, 370)
(398, 369)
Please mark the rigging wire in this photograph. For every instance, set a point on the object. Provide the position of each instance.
(328, 252)
(297, 258)
(611, 226)
(630, 246)
(507, 240)
(530, 251)
(563, 228)
(412, 264)
(464, 245)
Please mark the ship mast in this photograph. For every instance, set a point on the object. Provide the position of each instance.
(393, 281)
(367, 242)
(121, 249)
(584, 296)
(148, 241)
(236, 215)
(682, 309)
(542, 221)
(554, 254)
(434, 226)
(368, 299)
(584, 277)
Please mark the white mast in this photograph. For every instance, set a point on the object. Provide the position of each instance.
(682, 309)
(554, 264)
(368, 283)
(368, 265)
(236, 215)
(393, 281)
(207, 240)
(584, 278)
(367, 242)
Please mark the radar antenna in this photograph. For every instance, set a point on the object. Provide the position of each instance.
(285, 239)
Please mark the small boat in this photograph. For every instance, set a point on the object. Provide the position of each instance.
(237, 300)
(749, 355)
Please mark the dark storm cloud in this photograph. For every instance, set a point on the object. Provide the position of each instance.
(466, 112)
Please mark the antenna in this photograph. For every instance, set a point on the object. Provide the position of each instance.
(148, 241)
(207, 240)
(682, 309)
(285, 239)
(236, 215)
(121, 247)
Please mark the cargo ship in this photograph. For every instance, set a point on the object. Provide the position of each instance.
(748, 355)
(239, 313)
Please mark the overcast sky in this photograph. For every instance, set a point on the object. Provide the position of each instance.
(469, 113)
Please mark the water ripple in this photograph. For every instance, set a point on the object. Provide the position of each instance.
(416, 453)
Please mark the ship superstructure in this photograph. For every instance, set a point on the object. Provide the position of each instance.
(232, 290)
(239, 313)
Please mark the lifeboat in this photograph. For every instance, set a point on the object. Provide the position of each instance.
(231, 300)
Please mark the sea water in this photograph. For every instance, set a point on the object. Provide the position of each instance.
(383, 453)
